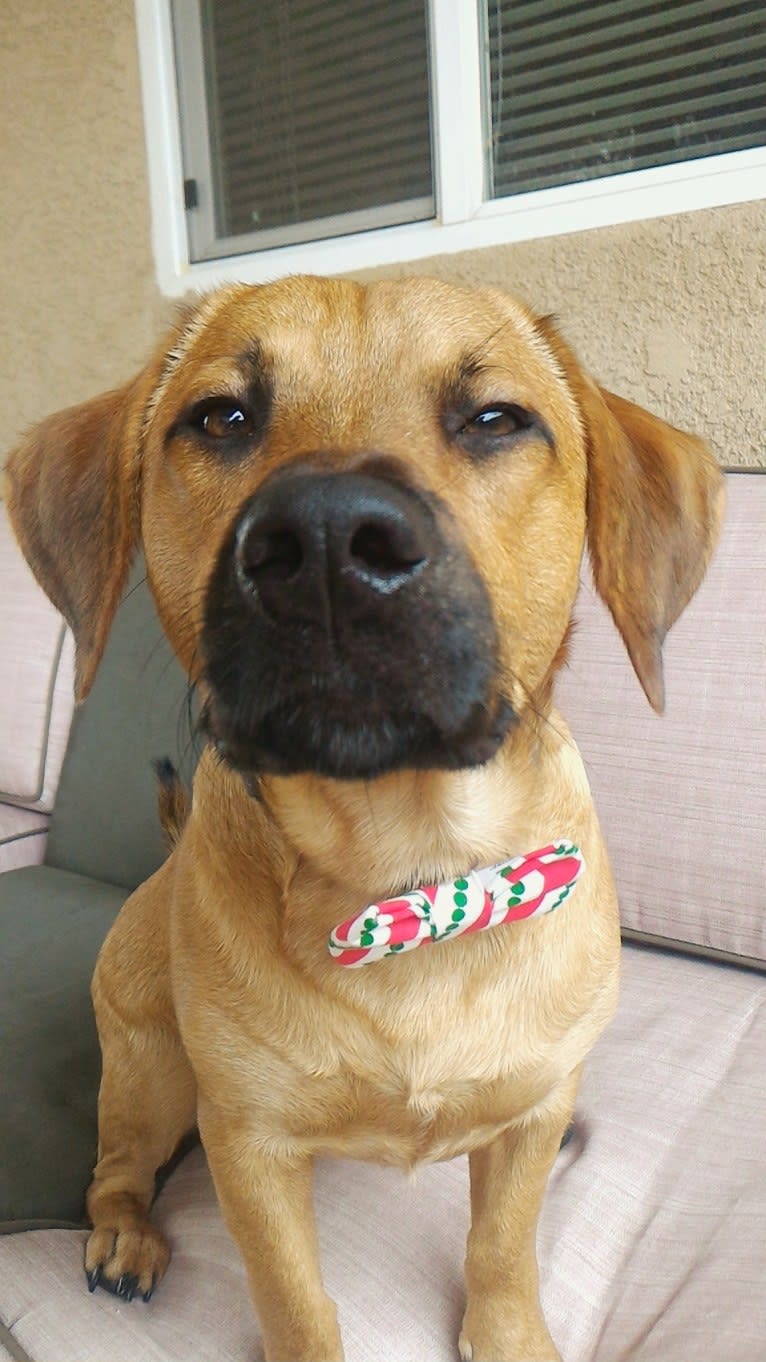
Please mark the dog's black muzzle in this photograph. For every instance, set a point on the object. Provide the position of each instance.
(347, 632)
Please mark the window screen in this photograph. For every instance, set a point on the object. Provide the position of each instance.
(302, 119)
(577, 91)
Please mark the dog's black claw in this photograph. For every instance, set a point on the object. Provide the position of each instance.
(126, 1286)
(147, 1295)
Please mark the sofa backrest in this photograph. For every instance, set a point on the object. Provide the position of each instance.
(105, 821)
(682, 797)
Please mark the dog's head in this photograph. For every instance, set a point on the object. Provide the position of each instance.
(363, 511)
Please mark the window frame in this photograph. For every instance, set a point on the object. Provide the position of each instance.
(465, 219)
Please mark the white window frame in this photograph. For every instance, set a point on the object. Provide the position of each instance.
(466, 220)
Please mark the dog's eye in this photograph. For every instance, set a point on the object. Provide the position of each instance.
(497, 421)
(223, 419)
(494, 428)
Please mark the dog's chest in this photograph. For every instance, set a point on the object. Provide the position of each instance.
(420, 1111)
(424, 1078)
(458, 1068)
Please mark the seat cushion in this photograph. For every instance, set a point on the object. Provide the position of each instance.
(52, 924)
(651, 1240)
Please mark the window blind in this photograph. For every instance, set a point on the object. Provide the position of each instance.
(316, 111)
(576, 90)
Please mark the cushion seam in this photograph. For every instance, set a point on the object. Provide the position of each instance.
(19, 836)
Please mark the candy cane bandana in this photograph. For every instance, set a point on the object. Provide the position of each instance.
(524, 887)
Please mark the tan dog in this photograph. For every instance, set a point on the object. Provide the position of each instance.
(363, 512)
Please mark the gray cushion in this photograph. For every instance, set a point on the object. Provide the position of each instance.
(105, 821)
(52, 924)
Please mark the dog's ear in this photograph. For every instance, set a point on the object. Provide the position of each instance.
(71, 489)
(654, 507)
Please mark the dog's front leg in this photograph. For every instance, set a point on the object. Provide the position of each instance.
(503, 1321)
(266, 1200)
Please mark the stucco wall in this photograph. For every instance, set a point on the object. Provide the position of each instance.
(79, 300)
(670, 312)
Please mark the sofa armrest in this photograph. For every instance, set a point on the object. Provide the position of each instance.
(36, 683)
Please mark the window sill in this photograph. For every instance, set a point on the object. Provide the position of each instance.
(715, 181)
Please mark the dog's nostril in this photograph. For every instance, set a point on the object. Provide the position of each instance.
(277, 554)
(380, 549)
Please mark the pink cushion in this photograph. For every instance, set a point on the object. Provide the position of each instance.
(36, 671)
(682, 798)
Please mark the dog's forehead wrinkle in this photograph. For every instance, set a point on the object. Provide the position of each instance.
(341, 320)
(252, 358)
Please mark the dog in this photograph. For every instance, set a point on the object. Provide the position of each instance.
(363, 511)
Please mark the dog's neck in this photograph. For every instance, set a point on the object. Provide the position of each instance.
(456, 820)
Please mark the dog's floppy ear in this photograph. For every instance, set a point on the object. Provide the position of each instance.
(654, 508)
(71, 489)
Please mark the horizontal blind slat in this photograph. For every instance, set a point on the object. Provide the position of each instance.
(524, 14)
(542, 123)
(738, 63)
(325, 100)
(562, 24)
(325, 43)
(315, 150)
(530, 179)
(561, 168)
(617, 52)
(547, 151)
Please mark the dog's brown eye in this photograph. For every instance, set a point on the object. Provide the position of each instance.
(494, 429)
(497, 421)
(224, 420)
(224, 426)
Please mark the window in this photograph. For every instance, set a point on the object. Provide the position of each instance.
(335, 134)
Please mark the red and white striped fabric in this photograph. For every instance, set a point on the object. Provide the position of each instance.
(510, 891)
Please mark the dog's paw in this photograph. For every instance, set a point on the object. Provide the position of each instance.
(127, 1262)
(487, 1337)
(470, 1354)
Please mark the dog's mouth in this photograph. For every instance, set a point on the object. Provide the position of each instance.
(332, 736)
(347, 634)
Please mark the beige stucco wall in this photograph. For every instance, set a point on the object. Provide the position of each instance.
(79, 299)
(671, 312)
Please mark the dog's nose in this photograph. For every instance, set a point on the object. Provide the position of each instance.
(310, 544)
